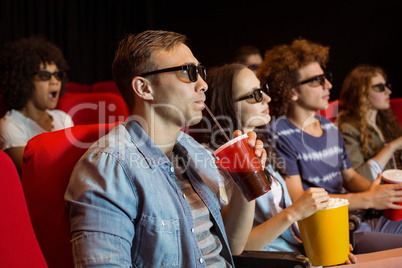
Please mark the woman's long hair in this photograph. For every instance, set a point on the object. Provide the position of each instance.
(354, 105)
(220, 99)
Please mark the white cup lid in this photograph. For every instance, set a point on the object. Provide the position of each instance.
(392, 175)
(232, 141)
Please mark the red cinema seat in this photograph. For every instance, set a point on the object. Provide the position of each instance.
(94, 108)
(396, 107)
(18, 244)
(331, 112)
(48, 161)
(72, 87)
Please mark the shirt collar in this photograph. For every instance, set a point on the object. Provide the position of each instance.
(146, 146)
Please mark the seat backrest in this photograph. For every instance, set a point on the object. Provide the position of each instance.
(331, 112)
(72, 87)
(48, 161)
(396, 107)
(18, 244)
(94, 108)
(105, 86)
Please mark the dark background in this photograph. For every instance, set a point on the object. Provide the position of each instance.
(88, 31)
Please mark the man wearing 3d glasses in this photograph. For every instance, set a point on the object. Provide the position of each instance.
(138, 196)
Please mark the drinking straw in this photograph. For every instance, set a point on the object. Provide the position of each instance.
(393, 161)
(217, 123)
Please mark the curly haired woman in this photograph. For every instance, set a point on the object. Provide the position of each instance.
(371, 132)
(32, 75)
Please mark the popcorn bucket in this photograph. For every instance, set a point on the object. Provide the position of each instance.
(325, 234)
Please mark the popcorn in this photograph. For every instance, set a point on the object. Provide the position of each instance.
(337, 202)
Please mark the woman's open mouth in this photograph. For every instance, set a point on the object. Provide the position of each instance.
(53, 94)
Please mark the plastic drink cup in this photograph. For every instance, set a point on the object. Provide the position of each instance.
(238, 158)
(391, 176)
(325, 234)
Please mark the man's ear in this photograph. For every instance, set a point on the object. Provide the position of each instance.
(142, 88)
(295, 96)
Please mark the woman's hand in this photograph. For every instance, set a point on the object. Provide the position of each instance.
(384, 196)
(258, 145)
(312, 200)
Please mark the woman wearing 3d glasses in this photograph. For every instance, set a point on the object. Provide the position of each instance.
(32, 75)
(371, 132)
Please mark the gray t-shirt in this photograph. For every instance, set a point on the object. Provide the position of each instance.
(207, 240)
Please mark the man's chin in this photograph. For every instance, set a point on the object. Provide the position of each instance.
(194, 120)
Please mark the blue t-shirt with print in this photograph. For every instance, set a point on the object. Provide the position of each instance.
(318, 160)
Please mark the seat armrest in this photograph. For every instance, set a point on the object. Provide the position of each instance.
(354, 224)
(255, 259)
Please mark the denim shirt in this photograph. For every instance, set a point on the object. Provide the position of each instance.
(126, 210)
